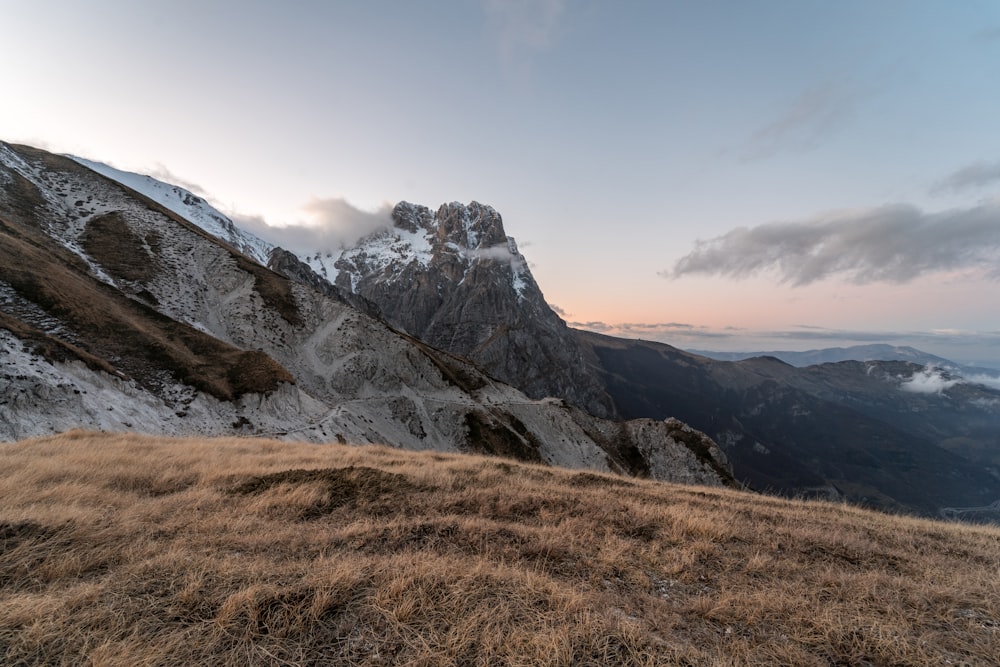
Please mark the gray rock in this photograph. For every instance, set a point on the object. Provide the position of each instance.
(455, 280)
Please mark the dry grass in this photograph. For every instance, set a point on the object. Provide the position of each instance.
(121, 550)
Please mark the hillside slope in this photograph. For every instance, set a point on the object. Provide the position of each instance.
(128, 550)
(117, 313)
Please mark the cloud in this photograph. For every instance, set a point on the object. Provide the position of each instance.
(599, 327)
(498, 253)
(935, 380)
(559, 311)
(523, 28)
(336, 224)
(657, 326)
(978, 175)
(989, 381)
(931, 380)
(161, 173)
(894, 243)
(813, 116)
(655, 331)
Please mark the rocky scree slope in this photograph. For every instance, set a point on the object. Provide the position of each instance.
(117, 313)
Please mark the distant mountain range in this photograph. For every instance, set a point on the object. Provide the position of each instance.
(874, 352)
(132, 304)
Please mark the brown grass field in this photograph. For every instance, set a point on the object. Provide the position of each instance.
(129, 550)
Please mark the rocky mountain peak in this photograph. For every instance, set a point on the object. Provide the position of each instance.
(454, 278)
(465, 226)
(412, 217)
(472, 226)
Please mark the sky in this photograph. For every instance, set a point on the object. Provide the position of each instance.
(738, 175)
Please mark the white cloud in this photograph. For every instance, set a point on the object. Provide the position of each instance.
(499, 253)
(934, 380)
(336, 224)
(895, 243)
(594, 325)
(671, 332)
(931, 380)
(991, 381)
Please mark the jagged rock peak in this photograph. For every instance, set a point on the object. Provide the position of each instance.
(454, 279)
(472, 226)
(412, 217)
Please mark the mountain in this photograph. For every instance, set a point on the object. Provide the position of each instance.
(891, 435)
(188, 206)
(454, 279)
(119, 313)
(894, 435)
(874, 352)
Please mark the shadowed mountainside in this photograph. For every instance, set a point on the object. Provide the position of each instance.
(842, 430)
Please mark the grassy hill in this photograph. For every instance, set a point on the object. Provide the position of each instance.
(128, 550)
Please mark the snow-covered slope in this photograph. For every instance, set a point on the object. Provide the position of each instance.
(189, 206)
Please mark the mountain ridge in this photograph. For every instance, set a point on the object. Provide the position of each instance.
(868, 352)
(144, 321)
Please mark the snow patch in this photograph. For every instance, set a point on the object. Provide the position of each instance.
(189, 206)
(324, 264)
(386, 252)
(518, 268)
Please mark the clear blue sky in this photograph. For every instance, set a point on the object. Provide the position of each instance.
(839, 162)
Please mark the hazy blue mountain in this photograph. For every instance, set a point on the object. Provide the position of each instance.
(829, 355)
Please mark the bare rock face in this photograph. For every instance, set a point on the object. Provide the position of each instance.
(454, 279)
(289, 265)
